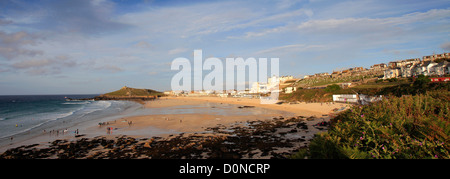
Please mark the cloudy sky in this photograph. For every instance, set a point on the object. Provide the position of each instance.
(97, 46)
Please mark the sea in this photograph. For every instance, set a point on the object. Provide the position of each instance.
(35, 118)
(32, 115)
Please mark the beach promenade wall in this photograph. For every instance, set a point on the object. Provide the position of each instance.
(353, 98)
(350, 98)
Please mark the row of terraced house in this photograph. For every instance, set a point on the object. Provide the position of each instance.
(428, 66)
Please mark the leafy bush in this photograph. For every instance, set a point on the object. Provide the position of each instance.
(405, 127)
(418, 85)
(392, 79)
(332, 88)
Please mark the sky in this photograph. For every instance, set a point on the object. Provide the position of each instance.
(98, 46)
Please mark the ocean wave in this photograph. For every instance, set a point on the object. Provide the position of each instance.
(95, 106)
(36, 122)
(104, 104)
(50, 117)
(83, 102)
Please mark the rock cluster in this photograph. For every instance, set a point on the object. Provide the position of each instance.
(277, 138)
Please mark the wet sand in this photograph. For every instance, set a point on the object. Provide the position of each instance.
(198, 122)
(278, 138)
(198, 125)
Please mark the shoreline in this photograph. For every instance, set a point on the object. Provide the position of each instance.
(197, 122)
(278, 138)
(43, 138)
(169, 125)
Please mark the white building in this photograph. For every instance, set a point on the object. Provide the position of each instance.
(290, 89)
(407, 71)
(440, 69)
(258, 87)
(392, 73)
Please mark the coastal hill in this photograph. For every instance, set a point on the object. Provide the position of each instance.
(127, 93)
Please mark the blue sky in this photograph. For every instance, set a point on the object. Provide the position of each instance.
(82, 47)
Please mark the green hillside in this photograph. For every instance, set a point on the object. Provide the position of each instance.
(406, 127)
(127, 91)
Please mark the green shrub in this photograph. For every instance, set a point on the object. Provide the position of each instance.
(405, 127)
(332, 88)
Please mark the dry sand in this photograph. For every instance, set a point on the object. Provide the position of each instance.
(199, 122)
(184, 122)
(304, 109)
(192, 123)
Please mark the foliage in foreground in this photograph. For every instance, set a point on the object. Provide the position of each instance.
(407, 127)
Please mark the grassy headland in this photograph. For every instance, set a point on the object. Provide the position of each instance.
(133, 94)
(127, 91)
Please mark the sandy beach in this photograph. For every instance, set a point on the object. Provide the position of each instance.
(305, 109)
(275, 120)
(198, 122)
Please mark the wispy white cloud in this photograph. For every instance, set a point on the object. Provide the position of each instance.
(15, 44)
(368, 25)
(177, 51)
(101, 37)
(445, 46)
(110, 68)
(288, 49)
(285, 4)
(187, 21)
(142, 44)
(45, 66)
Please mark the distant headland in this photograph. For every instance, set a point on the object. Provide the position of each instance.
(127, 93)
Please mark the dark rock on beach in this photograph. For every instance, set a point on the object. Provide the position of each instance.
(277, 138)
(246, 107)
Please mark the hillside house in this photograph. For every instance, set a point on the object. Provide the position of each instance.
(378, 67)
(402, 63)
(408, 70)
(356, 69)
(435, 57)
(392, 73)
(393, 64)
(346, 73)
(259, 88)
(335, 74)
(426, 68)
(430, 68)
(322, 74)
(441, 68)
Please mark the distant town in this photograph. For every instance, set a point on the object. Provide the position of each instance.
(432, 65)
